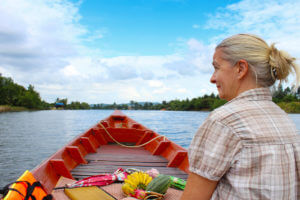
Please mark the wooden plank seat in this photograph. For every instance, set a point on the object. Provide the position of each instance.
(108, 158)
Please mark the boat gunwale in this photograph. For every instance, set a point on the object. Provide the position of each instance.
(171, 153)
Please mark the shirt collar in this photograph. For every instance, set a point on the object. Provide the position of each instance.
(256, 94)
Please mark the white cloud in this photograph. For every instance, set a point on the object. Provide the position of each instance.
(130, 92)
(275, 21)
(182, 67)
(155, 83)
(196, 26)
(161, 90)
(201, 55)
(181, 90)
(5, 72)
(195, 45)
(131, 67)
(42, 43)
(51, 87)
(121, 72)
(196, 61)
(96, 35)
(38, 34)
(70, 71)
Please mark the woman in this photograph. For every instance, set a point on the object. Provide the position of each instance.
(248, 148)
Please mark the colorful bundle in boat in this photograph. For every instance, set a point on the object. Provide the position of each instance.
(141, 185)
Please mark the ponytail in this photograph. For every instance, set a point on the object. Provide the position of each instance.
(282, 64)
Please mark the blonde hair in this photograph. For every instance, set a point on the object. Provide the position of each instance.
(267, 63)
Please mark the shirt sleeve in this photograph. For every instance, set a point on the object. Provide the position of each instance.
(213, 149)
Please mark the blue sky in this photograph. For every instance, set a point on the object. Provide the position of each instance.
(146, 27)
(120, 50)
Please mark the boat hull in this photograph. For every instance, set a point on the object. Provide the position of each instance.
(95, 152)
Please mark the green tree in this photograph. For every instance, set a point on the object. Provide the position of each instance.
(217, 103)
(31, 99)
(10, 92)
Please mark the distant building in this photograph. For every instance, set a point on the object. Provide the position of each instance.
(59, 105)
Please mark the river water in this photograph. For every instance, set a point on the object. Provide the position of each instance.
(27, 138)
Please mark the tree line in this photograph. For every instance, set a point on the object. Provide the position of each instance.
(288, 99)
(13, 94)
(206, 102)
(74, 105)
(16, 95)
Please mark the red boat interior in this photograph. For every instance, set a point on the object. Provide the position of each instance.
(95, 152)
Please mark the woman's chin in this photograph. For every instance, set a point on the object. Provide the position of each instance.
(221, 95)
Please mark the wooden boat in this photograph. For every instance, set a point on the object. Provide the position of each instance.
(95, 152)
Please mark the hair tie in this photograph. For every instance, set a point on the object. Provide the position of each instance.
(272, 54)
(274, 72)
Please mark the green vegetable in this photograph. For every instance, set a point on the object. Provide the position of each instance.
(177, 183)
(160, 184)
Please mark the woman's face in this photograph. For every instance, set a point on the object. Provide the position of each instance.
(224, 77)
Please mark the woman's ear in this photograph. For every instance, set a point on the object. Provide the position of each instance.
(242, 67)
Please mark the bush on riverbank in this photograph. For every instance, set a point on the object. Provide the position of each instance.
(7, 108)
(291, 107)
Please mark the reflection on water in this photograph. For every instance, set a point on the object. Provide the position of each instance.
(27, 138)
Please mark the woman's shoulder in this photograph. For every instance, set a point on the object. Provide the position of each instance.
(244, 109)
(255, 120)
(223, 112)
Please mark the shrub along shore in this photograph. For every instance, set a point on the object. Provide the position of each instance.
(291, 107)
(7, 108)
(14, 97)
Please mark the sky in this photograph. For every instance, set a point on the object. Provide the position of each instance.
(106, 51)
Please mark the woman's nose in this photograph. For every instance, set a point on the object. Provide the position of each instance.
(213, 78)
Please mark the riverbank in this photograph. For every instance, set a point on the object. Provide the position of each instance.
(288, 107)
(7, 108)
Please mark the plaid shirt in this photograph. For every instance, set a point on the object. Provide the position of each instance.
(251, 147)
